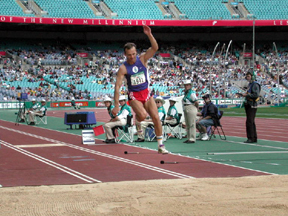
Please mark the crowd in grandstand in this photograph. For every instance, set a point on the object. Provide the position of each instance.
(166, 74)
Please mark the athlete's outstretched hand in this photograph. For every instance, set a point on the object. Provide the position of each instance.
(146, 30)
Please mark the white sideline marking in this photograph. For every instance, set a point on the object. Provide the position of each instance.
(39, 145)
(252, 152)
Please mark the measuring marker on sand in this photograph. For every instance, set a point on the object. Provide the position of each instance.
(168, 162)
(125, 152)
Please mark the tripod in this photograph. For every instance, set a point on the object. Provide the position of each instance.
(20, 113)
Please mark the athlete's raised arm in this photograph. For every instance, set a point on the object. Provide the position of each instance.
(154, 45)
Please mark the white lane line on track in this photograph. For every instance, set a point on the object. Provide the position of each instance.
(261, 135)
(39, 145)
(241, 137)
(258, 145)
(146, 166)
(52, 163)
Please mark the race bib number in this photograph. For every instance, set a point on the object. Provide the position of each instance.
(137, 79)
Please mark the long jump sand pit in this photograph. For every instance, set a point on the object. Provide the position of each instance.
(264, 195)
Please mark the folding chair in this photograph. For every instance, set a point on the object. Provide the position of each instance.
(216, 126)
(41, 119)
(125, 132)
(174, 129)
(150, 133)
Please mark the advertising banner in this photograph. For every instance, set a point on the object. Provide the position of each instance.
(247, 55)
(68, 104)
(83, 55)
(127, 22)
(99, 104)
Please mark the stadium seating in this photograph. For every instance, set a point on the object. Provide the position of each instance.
(135, 9)
(66, 8)
(204, 9)
(272, 9)
(11, 8)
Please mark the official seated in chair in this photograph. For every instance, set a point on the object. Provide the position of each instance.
(108, 103)
(172, 114)
(74, 104)
(119, 120)
(207, 114)
(172, 121)
(40, 112)
(141, 126)
(32, 108)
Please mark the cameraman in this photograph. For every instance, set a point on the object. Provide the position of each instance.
(250, 104)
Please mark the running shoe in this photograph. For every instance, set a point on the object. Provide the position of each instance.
(162, 150)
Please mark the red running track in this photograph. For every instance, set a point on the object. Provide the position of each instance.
(267, 129)
(26, 160)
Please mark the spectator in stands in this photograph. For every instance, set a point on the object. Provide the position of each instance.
(41, 111)
(190, 107)
(207, 116)
(119, 120)
(141, 126)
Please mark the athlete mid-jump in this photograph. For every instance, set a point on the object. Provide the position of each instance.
(136, 73)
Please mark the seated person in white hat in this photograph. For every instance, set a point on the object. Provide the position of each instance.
(41, 111)
(74, 104)
(32, 108)
(141, 126)
(108, 103)
(172, 114)
(119, 120)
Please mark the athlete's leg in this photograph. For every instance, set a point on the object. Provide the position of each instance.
(139, 110)
(152, 110)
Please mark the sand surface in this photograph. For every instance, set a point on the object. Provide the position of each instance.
(264, 195)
